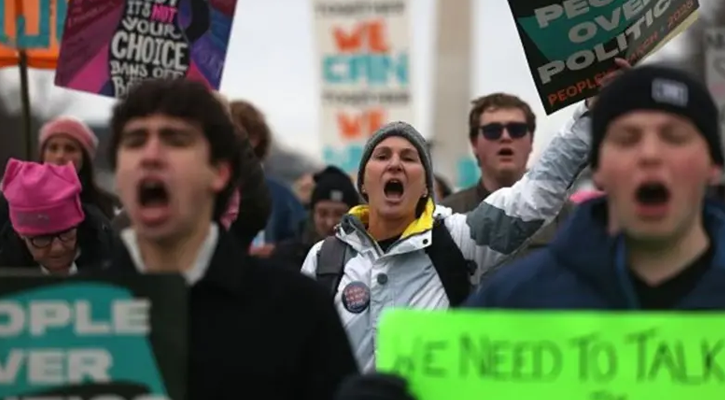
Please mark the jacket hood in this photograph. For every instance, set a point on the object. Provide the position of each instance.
(585, 247)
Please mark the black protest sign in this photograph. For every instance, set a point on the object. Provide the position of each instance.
(122, 338)
(164, 51)
(571, 45)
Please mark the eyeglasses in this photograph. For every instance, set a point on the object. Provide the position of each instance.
(494, 130)
(42, 241)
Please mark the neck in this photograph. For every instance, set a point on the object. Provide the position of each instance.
(174, 256)
(381, 228)
(492, 182)
(657, 262)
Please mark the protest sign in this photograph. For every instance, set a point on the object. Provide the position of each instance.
(363, 53)
(571, 45)
(91, 339)
(36, 27)
(108, 45)
(467, 355)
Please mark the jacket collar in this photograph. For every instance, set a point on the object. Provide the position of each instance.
(353, 230)
(222, 256)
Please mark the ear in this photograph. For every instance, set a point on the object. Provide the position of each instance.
(597, 179)
(222, 173)
(715, 175)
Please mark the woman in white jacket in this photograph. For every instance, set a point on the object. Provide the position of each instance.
(388, 265)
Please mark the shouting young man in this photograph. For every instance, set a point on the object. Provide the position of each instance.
(653, 241)
(177, 161)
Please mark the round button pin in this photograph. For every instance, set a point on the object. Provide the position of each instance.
(356, 297)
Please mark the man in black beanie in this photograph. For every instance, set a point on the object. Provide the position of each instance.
(653, 242)
(332, 197)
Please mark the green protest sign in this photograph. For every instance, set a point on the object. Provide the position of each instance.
(555, 355)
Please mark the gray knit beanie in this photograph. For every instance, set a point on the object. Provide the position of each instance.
(405, 131)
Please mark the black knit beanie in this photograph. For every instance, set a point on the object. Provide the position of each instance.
(661, 89)
(333, 184)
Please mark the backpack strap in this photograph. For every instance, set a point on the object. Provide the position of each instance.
(453, 269)
(331, 260)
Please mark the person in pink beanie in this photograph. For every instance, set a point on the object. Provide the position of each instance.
(67, 139)
(48, 225)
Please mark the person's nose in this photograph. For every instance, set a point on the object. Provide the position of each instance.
(505, 136)
(56, 247)
(650, 150)
(152, 151)
(395, 163)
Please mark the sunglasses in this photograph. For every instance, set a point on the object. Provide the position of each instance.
(494, 131)
(43, 241)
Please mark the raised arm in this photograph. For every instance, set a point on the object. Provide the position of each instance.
(505, 221)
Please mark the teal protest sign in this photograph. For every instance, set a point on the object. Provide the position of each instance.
(571, 45)
(92, 339)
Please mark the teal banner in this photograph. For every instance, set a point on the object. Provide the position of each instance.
(89, 339)
(571, 45)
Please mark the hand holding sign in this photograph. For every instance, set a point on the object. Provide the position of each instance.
(623, 65)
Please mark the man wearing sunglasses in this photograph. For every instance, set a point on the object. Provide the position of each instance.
(501, 131)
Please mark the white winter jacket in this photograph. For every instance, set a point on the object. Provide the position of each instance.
(493, 232)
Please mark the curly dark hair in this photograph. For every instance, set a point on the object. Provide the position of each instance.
(496, 101)
(249, 117)
(190, 101)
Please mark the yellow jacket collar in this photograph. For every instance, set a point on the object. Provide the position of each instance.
(422, 224)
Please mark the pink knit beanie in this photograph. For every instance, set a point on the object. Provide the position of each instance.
(73, 127)
(42, 198)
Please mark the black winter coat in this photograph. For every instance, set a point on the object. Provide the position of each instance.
(259, 331)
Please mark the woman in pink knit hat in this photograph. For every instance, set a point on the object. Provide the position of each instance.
(48, 227)
(67, 139)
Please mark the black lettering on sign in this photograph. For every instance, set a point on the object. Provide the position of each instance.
(148, 43)
(504, 360)
(659, 359)
(597, 359)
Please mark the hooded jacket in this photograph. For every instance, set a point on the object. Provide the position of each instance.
(585, 268)
(489, 235)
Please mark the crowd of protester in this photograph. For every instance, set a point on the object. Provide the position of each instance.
(288, 284)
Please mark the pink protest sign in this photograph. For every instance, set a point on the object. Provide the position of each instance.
(108, 45)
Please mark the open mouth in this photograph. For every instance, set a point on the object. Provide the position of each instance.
(153, 199)
(652, 194)
(506, 152)
(652, 200)
(153, 193)
(394, 189)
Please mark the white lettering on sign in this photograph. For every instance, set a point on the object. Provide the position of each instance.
(588, 30)
(41, 317)
(56, 366)
(149, 43)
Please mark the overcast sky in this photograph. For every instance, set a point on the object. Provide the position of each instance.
(270, 62)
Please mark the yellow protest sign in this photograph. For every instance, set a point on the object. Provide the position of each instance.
(507, 355)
